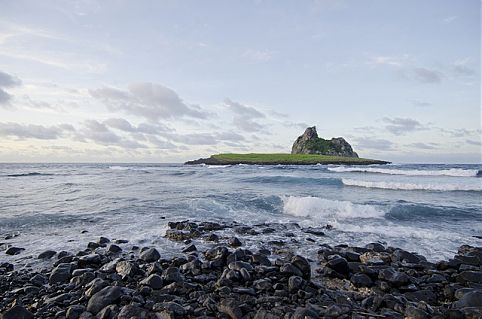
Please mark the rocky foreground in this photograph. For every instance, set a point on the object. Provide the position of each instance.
(227, 281)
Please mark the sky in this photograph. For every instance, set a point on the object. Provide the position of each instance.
(169, 81)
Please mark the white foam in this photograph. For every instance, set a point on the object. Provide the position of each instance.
(119, 168)
(456, 172)
(320, 208)
(413, 186)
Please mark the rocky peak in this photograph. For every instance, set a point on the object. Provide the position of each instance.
(310, 143)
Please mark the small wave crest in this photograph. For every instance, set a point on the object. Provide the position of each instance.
(120, 168)
(293, 180)
(320, 208)
(455, 172)
(413, 186)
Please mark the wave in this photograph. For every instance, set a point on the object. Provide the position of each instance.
(293, 180)
(320, 208)
(413, 186)
(28, 174)
(120, 168)
(455, 172)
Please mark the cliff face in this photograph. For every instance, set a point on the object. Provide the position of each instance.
(310, 143)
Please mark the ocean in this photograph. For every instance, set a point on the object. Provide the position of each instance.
(428, 209)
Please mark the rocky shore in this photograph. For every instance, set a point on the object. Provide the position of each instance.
(115, 279)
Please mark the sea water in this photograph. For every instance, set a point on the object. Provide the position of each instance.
(429, 209)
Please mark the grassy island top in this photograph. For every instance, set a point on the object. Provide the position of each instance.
(282, 158)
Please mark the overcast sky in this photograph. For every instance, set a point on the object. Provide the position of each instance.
(167, 81)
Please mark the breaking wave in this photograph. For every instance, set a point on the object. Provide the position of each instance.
(456, 172)
(320, 208)
(413, 186)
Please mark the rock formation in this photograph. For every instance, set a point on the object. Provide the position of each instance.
(310, 143)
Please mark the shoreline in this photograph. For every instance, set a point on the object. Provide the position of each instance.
(113, 279)
(345, 161)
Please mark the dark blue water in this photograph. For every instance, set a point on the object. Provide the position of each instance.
(431, 209)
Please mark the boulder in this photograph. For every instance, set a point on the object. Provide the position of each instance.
(103, 298)
(310, 143)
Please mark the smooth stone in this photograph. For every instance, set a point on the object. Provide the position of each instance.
(103, 298)
(231, 308)
(172, 274)
(234, 242)
(470, 299)
(154, 281)
(39, 280)
(302, 264)
(340, 265)
(17, 312)
(14, 250)
(114, 249)
(295, 283)
(150, 255)
(74, 311)
(361, 280)
(46, 254)
(60, 274)
(132, 311)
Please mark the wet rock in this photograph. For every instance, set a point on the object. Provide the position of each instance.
(103, 298)
(302, 264)
(60, 274)
(126, 269)
(470, 276)
(172, 274)
(295, 283)
(14, 250)
(39, 280)
(74, 311)
(132, 311)
(234, 242)
(415, 313)
(394, 277)
(473, 298)
(314, 231)
(339, 265)
(375, 247)
(150, 255)
(231, 308)
(189, 249)
(425, 295)
(112, 248)
(154, 281)
(361, 280)
(305, 313)
(17, 312)
(290, 269)
(47, 254)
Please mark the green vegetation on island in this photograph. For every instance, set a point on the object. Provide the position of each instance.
(282, 159)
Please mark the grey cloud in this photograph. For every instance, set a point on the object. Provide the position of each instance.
(4, 97)
(461, 132)
(474, 142)
(424, 146)
(101, 134)
(245, 116)
(31, 131)
(7, 80)
(400, 126)
(426, 75)
(120, 124)
(149, 100)
(374, 144)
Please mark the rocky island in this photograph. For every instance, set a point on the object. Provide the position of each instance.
(308, 149)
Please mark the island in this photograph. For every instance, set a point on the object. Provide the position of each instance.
(308, 149)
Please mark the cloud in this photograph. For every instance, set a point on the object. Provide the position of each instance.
(389, 60)
(101, 134)
(400, 126)
(463, 67)
(7, 81)
(426, 75)
(421, 103)
(245, 116)
(33, 131)
(474, 142)
(149, 100)
(424, 146)
(374, 143)
(449, 20)
(258, 55)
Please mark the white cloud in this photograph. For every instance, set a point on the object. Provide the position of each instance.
(400, 126)
(149, 100)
